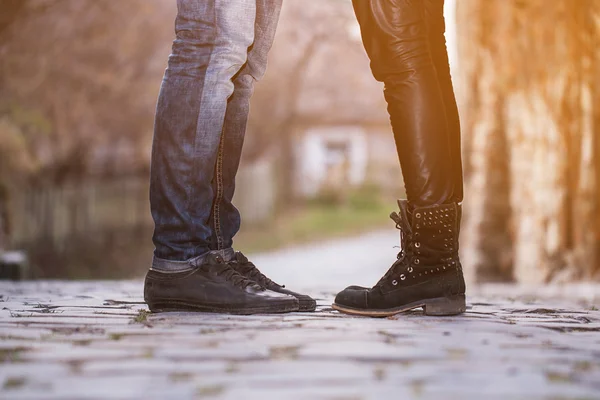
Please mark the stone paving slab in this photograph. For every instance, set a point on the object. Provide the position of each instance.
(96, 340)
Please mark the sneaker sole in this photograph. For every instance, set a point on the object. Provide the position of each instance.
(179, 306)
(440, 306)
(307, 305)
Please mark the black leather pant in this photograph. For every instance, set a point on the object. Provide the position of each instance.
(405, 42)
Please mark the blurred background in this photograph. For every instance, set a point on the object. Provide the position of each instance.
(78, 87)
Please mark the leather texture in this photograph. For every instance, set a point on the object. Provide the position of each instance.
(212, 287)
(242, 265)
(405, 42)
(428, 266)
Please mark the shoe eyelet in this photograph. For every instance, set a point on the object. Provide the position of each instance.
(417, 245)
(418, 215)
(402, 277)
(410, 269)
(417, 261)
(394, 282)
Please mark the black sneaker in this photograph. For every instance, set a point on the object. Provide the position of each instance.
(426, 274)
(242, 265)
(212, 287)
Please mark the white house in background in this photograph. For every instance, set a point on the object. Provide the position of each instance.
(336, 155)
(343, 137)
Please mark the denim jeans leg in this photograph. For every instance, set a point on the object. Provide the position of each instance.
(225, 218)
(211, 47)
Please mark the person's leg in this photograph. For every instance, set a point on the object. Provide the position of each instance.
(396, 38)
(225, 217)
(211, 47)
(403, 40)
(437, 44)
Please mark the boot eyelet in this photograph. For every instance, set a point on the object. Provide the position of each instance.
(394, 282)
(402, 277)
(418, 215)
(417, 261)
(417, 245)
(410, 269)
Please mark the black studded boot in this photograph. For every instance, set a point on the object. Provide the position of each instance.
(426, 274)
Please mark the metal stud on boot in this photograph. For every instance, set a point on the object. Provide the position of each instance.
(427, 273)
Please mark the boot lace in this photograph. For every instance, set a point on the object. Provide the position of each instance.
(406, 244)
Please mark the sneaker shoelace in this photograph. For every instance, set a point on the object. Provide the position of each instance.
(249, 270)
(233, 276)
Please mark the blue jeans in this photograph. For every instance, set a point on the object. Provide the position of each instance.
(220, 51)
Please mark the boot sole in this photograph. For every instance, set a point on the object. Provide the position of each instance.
(440, 306)
(179, 306)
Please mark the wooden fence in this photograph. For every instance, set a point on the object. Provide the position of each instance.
(56, 215)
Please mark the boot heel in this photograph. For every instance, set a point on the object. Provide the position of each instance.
(452, 305)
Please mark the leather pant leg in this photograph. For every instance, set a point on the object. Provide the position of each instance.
(434, 14)
(396, 36)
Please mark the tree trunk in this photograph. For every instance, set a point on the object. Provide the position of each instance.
(531, 140)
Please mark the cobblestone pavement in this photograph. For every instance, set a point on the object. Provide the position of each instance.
(96, 340)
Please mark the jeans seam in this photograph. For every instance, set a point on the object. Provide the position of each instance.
(190, 191)
(219, 194)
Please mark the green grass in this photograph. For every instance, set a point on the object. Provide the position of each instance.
(141, 317)
(318, 220)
